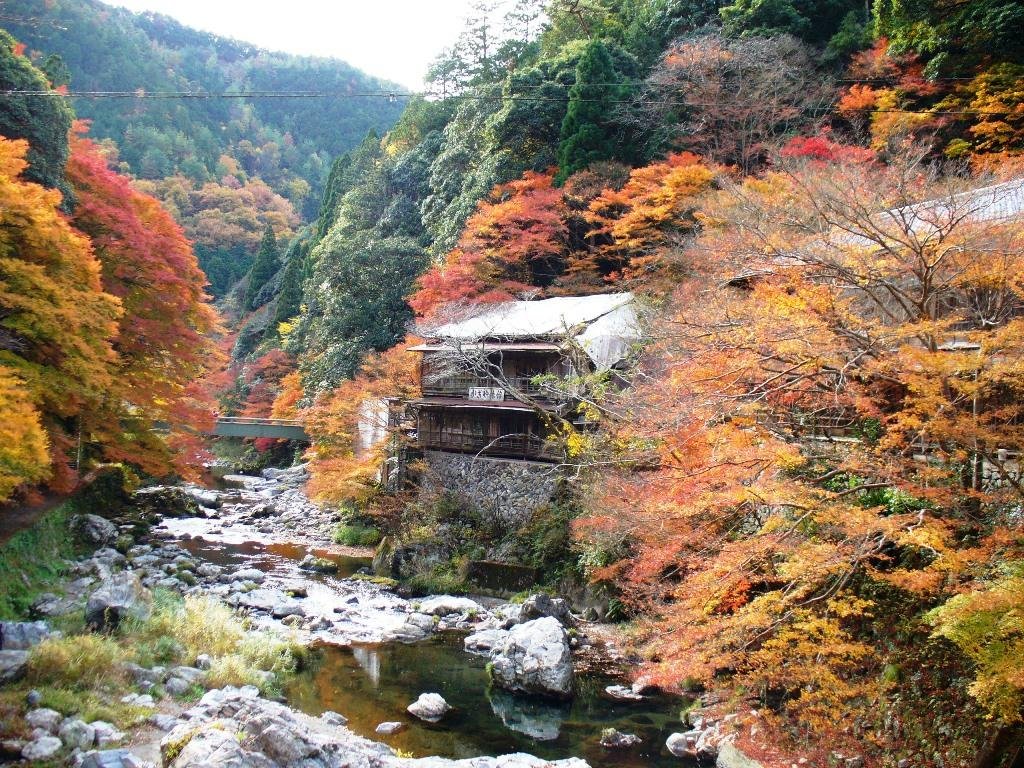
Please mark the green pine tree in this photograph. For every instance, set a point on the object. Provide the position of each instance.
(588, 130)
(289, 297)
(263, 268)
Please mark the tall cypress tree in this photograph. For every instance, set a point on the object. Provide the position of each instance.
(588, 132)
(263, 268)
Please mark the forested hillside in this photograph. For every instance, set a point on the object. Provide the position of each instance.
(803, 496)
(705, 157)
(225, 166)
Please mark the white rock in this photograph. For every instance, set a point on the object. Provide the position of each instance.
(429, 706)
(445, 605)
(77, 734)
(106, 733)
(388, 728)
(42, 749)
(535, 658)
(47, 719)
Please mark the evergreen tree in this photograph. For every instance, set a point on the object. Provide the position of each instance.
(588, 131)
(289, 298)
(44, 121)
(264, 268)
(332, 195)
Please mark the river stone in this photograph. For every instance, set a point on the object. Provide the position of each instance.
(77, 734)
(429, 706)
(22, 635)
(208, 748)
(287, 608)
(204, 497)
(93, 529)
(730, 756)
(541, 605)
(106, 733)
(42, 749)
(163, 722)
(622, 693)
(250, 574)
(121, 596)
(209, 570)
(535, 658)
(177, 686)
(485, 642)
(112, 758)
(613, 739)
(47, 719)
(681, 744)
(388, 728)
(333, 718)
(445, 605)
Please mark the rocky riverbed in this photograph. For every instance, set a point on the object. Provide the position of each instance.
(264, 549)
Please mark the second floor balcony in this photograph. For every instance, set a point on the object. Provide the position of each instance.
(491, 389)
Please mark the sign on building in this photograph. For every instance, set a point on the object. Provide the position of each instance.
(486, 393)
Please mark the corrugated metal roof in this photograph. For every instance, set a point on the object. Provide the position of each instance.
(605, 325)
(997, 202)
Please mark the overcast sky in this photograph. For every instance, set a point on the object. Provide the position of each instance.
(393, 39)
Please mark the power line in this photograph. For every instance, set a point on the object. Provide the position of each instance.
(394, 96)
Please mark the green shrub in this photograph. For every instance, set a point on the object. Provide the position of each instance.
(32, 561)
(355, 535)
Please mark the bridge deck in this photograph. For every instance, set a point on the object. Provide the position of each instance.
(240, 426)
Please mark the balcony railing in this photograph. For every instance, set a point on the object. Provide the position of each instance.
(522, 446)
(459, 385)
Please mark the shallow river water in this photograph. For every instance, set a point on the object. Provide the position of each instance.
(370, 684)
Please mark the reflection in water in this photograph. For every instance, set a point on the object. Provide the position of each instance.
(538, 719)
(373, 684)
(368, 658)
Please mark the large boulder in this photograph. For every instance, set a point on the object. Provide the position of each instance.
(22, 635)
(94, 530)
(122, 596)
(445, 605)
(540, 605)
(535, 658)
(165, 501)
(429, 706)
(206, 748)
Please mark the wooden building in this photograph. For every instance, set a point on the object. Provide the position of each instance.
(493, 381)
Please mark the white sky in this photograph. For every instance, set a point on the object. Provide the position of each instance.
(392, 39)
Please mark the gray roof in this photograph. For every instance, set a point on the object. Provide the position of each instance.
(605, 325)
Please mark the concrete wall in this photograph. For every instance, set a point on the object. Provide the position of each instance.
(506, 491)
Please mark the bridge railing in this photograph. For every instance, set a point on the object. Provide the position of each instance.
(261, 422)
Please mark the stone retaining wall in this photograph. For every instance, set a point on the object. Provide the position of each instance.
(506, 491)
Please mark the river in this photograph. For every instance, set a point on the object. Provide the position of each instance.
(373, 683)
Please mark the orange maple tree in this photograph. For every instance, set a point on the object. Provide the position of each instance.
(56, 323)
(163, 342)
(833, 411)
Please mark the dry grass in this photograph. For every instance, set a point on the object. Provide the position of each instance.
(78, 661)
